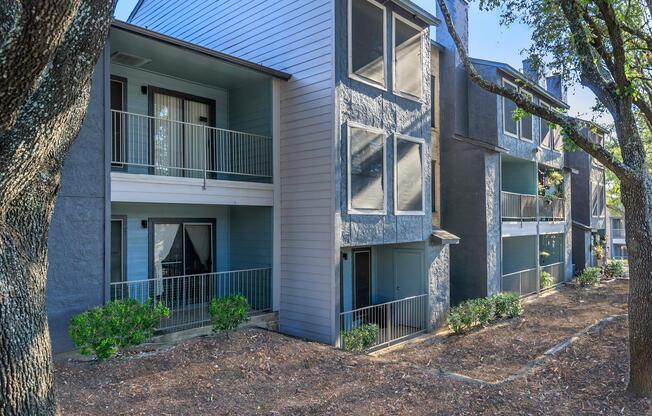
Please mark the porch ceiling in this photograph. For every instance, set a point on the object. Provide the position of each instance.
(186, 61)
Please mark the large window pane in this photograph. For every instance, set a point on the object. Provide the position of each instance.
(510, 125)
(367, 52)
(366, 169)
(409, 175)
(407, 58)
(545, 131)
(526, 125)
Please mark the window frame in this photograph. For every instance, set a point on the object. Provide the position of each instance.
(122, 219)
(422, 143)
(433, 109)
(518, 123)
(352, 75)
(357, 211)
(395, 90)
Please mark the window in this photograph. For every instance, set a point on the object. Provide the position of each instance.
(118, 123)
(510, 126)
(598, 200)
(433, 184)
(118, 258)
(406, 41)
(367, 42)
(545, 133)
(366, 173)
(433, 102)
(526, 123)
(408, 175)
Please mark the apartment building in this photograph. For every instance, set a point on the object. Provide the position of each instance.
(505, 191)
(284, 150)
(616, 236)
(588, 205)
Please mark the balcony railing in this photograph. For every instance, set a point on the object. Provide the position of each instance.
(556, 270)
(518, 207)
(523, 282)
(188, 297)
(158, 146)
(618, 233)
(523, 207)
(396, 320)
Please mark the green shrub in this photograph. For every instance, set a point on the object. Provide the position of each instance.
(229, 312)
(507, 304)
(360, 338)
(589, 276)
(107, 329)
(484, 310)
(614, 268)
(546, 280)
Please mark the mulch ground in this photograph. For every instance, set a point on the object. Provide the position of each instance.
(260, 372)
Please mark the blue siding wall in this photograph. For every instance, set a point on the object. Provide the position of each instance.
(250, 108)
(76, 242)
(295, 37)
(250, 237)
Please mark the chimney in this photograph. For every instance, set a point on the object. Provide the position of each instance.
(530, 72)
(555, 86)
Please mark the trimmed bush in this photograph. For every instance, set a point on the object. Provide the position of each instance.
(107, 329)
(229, 312)
(614, 268)
(589, 276)
(482, 311)
(507, 304)
(360, 338)
(546, 280)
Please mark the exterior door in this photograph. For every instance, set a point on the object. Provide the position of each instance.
(361, 278)
(409, 280)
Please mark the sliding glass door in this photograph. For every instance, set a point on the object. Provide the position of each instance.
(182, 260)
(180, 140)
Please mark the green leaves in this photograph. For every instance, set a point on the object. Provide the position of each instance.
(589, 276)
(360, 338)
(229, 312)
(105, 330)
(482, 311)
(546, 280)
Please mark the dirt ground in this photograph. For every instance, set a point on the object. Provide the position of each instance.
(260, 372)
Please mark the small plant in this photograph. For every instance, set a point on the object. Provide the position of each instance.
(105, 330)
(507, 304)
(614, 268)
(589, 276)
(546, 280)
(360, 338)
(229, 312)
(463, 316)
(599, 251)
(484, 310)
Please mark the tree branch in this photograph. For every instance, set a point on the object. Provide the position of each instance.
(569, 124)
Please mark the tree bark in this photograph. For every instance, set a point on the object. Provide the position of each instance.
(43, 109)
(636, 197)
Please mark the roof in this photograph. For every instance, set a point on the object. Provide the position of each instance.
(439, 236)
(116, 24)
(417, 11)
(436, 45)
(510, 70)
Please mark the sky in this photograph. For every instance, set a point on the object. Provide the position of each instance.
(487, 40)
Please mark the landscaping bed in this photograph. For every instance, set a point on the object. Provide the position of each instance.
(260, 372)
(496, 352)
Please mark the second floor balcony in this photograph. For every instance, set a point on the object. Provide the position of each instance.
(167, 147)
(526, 207)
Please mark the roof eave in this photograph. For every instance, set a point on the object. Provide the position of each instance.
(128, 27)
(418, 12)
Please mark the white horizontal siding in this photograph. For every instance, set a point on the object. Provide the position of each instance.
(295, 37)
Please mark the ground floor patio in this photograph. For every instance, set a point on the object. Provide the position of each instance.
(261, 372)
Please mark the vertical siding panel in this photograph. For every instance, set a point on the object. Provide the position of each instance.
(296, 37)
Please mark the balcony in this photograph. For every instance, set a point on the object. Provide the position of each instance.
(526, 207)
(165, 147)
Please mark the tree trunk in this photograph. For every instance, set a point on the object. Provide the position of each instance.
(26, 379)
(636, 196)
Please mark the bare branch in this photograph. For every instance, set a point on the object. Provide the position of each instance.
(569, 124)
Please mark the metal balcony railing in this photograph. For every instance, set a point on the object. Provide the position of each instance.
(396, 320)
(618, 233)
(523, 207)
(158, 146)
(188, 297)
(518, 207)
(523, 282)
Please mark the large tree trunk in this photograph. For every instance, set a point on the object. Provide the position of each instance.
(26, 379)
(637, 199)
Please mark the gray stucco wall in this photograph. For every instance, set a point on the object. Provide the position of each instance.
(438, 257)
(76, 242)
(373, 107)
(494, 221)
